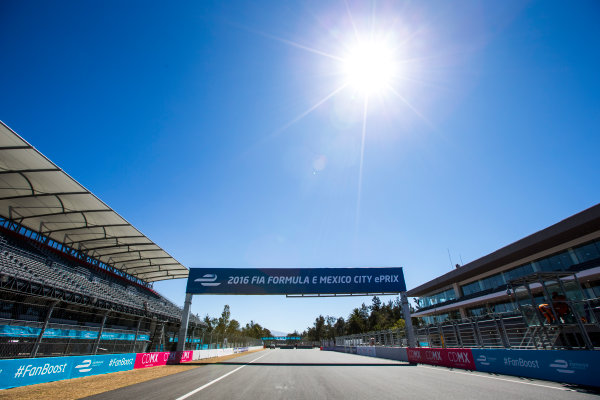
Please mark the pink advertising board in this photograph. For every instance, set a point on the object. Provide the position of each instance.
(145, 360)
(453, 358)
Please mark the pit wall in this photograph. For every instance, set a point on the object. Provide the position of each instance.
(30, 371)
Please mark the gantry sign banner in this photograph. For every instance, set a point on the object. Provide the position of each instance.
(295, 281)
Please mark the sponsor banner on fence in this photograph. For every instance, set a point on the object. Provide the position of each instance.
(453, 358)
(95, 365)
(29, 371)
(178, 357)
(28, 331)
(145, 360)
(240, 349)
(570, 366)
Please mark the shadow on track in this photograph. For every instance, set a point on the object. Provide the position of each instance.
(313, 364)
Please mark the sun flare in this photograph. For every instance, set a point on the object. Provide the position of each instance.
(369, 67)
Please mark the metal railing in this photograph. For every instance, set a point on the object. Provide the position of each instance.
(502, 331)
(390, 337)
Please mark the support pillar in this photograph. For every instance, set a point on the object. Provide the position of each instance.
(137, 333)
(36, 346)
(185, 319)
(410, 333)
(97, 344)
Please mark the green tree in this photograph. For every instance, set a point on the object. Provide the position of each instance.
(233, 328)
(356, 322)
(223, 320)
(340, 327)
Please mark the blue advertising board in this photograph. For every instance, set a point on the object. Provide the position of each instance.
(28, 331)
(295, 281)
(570, 366)
(30, 371)
(104, 364)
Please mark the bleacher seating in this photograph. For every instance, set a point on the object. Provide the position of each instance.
(22, 260)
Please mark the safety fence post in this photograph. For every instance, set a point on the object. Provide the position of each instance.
(36, 346)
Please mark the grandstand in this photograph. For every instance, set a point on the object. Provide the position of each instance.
(75, 277)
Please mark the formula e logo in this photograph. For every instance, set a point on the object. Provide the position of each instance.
(208, 280)
(83, 367)
(562, 366)
(482, 360)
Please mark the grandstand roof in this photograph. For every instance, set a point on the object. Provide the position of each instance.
(37, 194)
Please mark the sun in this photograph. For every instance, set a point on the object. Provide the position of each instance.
(369, 67)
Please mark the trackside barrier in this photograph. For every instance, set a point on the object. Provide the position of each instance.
(569, 366)
(203, 354)
(390, 353)
(366, 351)
(29, 371)
(453, 358)
(145, 360)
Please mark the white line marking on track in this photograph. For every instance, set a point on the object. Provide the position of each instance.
(499, 379)
(193, 392)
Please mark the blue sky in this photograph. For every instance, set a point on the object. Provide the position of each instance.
(190, 120)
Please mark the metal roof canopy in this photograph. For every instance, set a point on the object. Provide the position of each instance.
(40, 196)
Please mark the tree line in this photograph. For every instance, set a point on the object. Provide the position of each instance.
(375, 317)
(225, 325)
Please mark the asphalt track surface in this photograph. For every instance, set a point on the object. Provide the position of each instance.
(314, 374)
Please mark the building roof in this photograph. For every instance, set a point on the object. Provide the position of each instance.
(573, 227)
(37, 194)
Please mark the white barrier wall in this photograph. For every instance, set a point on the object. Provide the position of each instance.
(391, 353)
(202, 354)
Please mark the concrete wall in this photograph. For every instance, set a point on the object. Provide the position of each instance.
(390, 353)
